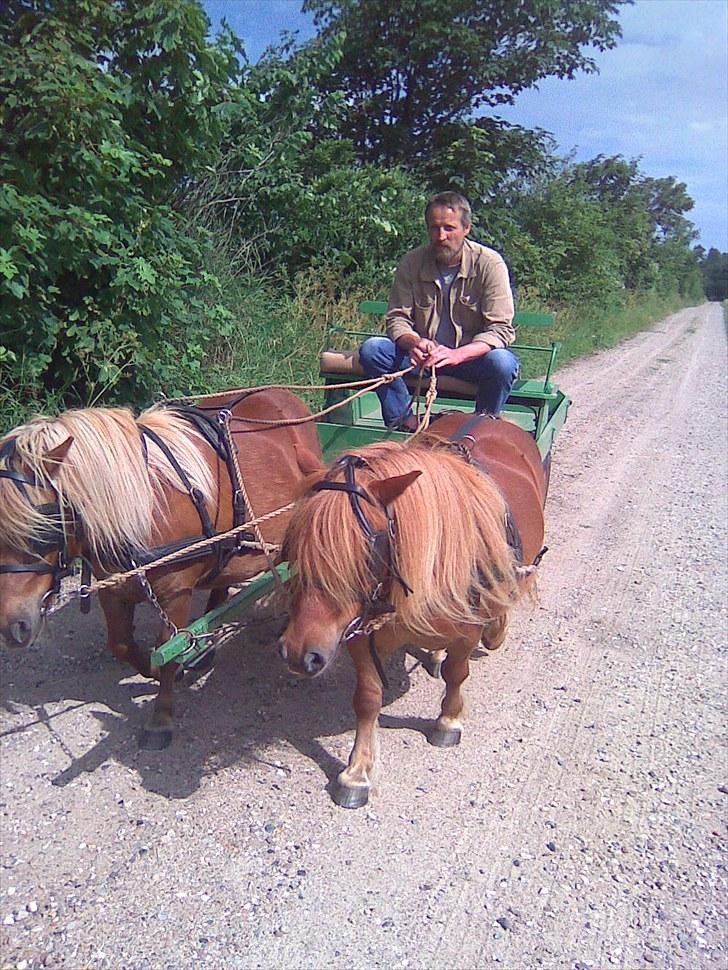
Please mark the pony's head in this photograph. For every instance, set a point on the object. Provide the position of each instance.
(327, 604)
(83, 482)
(33, 540)
(449, 559)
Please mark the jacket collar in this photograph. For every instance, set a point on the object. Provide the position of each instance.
(432, 273)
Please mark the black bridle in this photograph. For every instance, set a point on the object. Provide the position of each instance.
(54, 542)
(381, 559)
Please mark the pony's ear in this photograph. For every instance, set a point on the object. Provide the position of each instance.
(53, 459)
(386, 490)
(307, 461)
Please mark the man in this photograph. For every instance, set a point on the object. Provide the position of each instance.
(451, 308)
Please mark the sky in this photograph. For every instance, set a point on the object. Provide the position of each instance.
(661, 96)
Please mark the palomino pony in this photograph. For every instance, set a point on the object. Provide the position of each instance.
(96, 483)
(430, 542)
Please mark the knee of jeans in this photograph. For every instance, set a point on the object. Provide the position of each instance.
(373, 352)
(503, 363)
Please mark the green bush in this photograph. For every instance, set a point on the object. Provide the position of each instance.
(104, 108)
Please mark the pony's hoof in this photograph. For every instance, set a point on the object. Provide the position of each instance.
(350, 797)
(445, 737)
(155, 739)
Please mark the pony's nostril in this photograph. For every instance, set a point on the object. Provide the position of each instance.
(282, 652)
(20, 632)
(313, 662)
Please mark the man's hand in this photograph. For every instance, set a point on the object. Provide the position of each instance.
(418, 348)
(424, 352)
(443, 356)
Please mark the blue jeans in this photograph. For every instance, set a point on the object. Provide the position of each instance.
(494, 373)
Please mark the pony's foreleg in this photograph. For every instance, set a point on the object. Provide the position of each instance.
(119, 614)
(355, 781)
(157, 734)
(448, 727)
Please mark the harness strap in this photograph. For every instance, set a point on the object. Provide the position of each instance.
(194, 493)
(377, 661)
(513, 536)
(28, 567)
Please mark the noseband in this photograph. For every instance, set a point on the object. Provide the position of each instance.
(381, 544)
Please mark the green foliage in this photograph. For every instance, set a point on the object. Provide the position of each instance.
(281, 199)
(173, 218)
(714, 270)
(104, 107)
(411, 67)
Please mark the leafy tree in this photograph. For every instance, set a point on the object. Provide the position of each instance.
(652, 235)
(573, 244)
(408, 68)
(714, 267)
(104, 108)
(285, 196)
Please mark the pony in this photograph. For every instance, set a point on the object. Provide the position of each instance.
(119, 491)
(431, 542)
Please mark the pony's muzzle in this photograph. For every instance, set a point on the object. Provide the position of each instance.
(21, 631)
(310, 664)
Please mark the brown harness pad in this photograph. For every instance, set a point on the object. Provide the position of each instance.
(511, 457)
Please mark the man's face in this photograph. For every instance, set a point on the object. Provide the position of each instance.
(447, 234)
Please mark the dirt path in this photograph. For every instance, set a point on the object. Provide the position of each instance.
(581, 822)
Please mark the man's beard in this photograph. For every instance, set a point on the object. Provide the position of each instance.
(446, 254)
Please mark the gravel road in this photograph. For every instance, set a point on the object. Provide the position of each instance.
(580, 824)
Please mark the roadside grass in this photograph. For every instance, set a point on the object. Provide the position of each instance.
(583, 333)
(280, 330)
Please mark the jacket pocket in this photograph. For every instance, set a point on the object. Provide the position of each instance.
(424, 310)
(468, 313)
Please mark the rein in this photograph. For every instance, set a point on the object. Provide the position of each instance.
(377, 607)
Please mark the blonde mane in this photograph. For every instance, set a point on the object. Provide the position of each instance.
(451, 544)
(114, 491)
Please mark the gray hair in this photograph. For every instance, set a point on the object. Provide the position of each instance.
(450, 200)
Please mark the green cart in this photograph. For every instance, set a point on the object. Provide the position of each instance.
(536, 404)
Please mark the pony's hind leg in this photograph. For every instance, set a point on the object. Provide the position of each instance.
(119, 615)
(355, 781)
(448, 727)
(431, 660)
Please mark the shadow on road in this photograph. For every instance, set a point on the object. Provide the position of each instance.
(248, 709)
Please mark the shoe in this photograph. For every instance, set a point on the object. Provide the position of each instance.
(408, 425)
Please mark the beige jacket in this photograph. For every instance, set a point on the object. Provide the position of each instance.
(481, 302)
